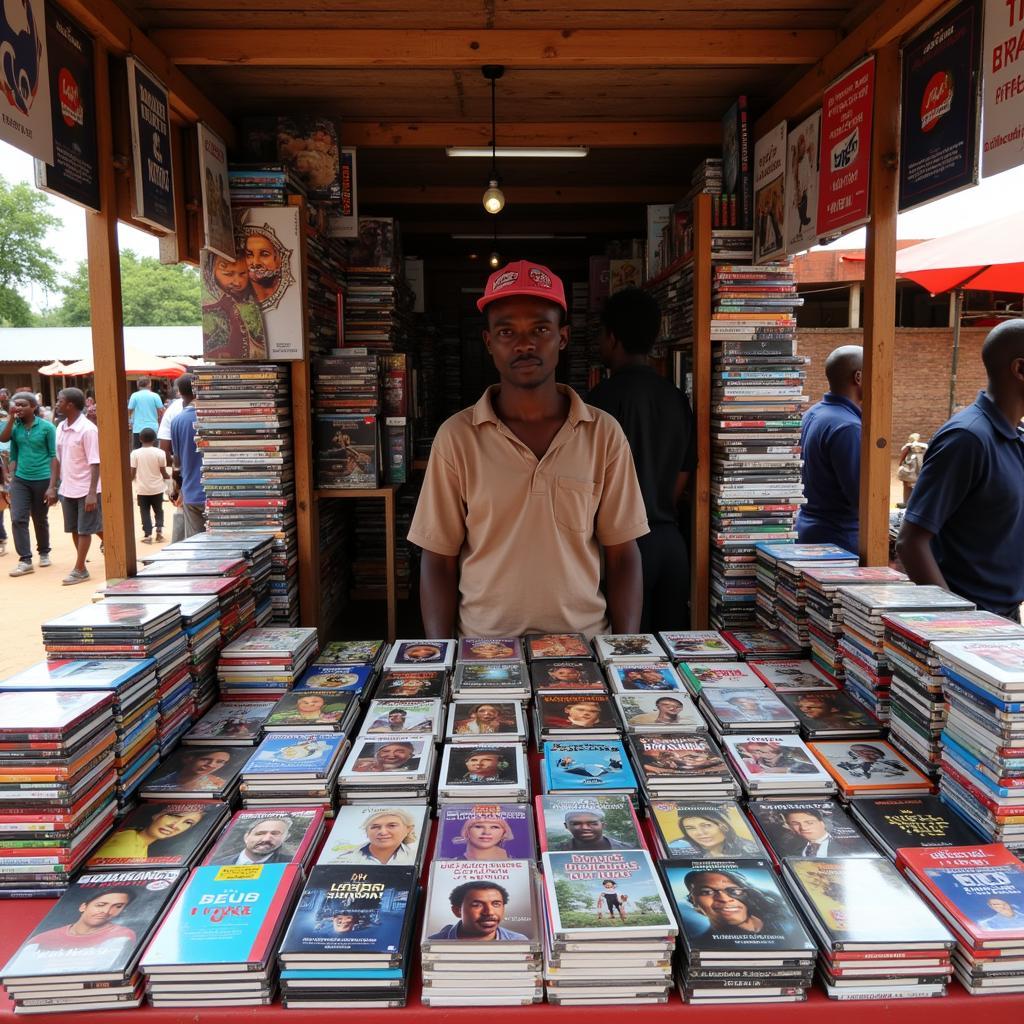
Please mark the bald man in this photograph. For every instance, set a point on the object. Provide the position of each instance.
(964, 525)
(830, 439)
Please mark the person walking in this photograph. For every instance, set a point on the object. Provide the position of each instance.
(149, 474)
(144, 410)
(909, 469)
(5, 453)
(188, 462)
(33, 454)
(77, 466)
(163, 437)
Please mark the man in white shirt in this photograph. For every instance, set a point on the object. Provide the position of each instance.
(263, 842)
(809, 827)
(163, 437)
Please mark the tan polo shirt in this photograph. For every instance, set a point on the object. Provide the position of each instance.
(528, 533)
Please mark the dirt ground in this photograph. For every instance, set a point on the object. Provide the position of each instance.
(27, 601)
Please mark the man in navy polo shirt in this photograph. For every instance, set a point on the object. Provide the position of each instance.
(964, 525)
(830, 440)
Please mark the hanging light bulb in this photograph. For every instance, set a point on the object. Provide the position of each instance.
(494, 198)
(495, 261)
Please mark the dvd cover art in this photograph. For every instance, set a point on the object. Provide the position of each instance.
(558, 645)
(629, 645)
(307, 707)
(309, 146)
(484, 718)
(387, 756)
(773, 755)
(198, 769)
(746, 706)
(485, 764)
(383, 833)
(874, 762)
(485, 831)
(593, 764)
(595, 822)
(350, 652)
(575, 712)
(407, 683)
(346, 678)
(567, 674)
(792, 675)
(276, 836)
(705, 828)
(651, 711)
(401, 715)
(165, 833)
(510, 675)
(421, 654)
(473, 648)
(693, 645)
(809, 828)
(481, 901)
(682, 756)
(291, 753)
(650, 676)
(831, 712)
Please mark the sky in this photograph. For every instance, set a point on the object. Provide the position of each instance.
(993, 197)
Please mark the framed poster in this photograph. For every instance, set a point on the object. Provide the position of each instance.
(73, 173)
(939, 126)
(218, 228)
(802, 150)
(1003, 96)
(152, 177)
(25, 117)
(770, 194)
(845, 159)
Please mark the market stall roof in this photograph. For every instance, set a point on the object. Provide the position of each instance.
(68, 344)
(988, 257)
(135, 362)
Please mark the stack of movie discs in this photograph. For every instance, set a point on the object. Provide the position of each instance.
(312, 711)
(594, 766)
(233, 723)
(731, 711)
(84, 954)
(978, 891)
(265, 663)
(256, 547)
(877, 938)
(742, 939)
(659, 712)
(587, 716)
(349, 941)
(869, 767)
(831, 714)
(57, 786)
(398, 716)
(758, 644)
(696, 645)
(697, 675)
(384, 767)
(776, 764)
(482, 934)
(553, 675)
(299, 769)
(918, 709)
(610, 929)
(896, 823)
(391, 833)
(497, 721)
(483, 771)
(673, 764)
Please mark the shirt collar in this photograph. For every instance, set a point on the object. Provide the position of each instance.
(996, 418)
(832, 399)
(579, 411)
(78, 425)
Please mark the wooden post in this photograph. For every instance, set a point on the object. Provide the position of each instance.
(109, 381)
(700, 537)
(307, 522)
(391, 564)
(880, 313)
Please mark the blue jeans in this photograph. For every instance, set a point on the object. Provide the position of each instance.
(27, 502)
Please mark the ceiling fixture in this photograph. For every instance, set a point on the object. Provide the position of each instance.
(494, 198)
(495, 258)
(518, 151)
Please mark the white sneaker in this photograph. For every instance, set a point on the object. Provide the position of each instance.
(44, 561)
(22, 569)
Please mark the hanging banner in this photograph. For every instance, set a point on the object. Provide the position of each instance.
(939, 129)
(218, 227)
(770, 195)
(802, 150)
(25, 119)
(1003, 98)
(845, 157)
(343, 219)
(152, 179)
(73, 173)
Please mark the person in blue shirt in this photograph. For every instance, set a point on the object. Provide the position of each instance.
(145, 408)
(188, 462)
(830, 440)
(964, 525)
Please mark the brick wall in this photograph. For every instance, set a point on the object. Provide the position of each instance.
(921, 368)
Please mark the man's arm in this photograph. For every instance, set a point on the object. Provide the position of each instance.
(679, 490)
(914, 548)
(439, 593)
(624, 579)
(5, 434)
(50, 497)
(844, 452)
(94, 483)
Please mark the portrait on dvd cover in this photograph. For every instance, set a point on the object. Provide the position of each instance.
(389, 755)
(572, 712)
(236, 719)
(496, 831)
(645, 677)
(481, 901)
(812, 828)
(598, 822)
(420, 652)
(857, 762)
(777, 755)
(665, 711)
(309, 707)
(568, 674)
(196, 769)
(159, 834)
(376, 834)
(705, 828)
(831, 711)
(411, 684)
(746, 705)
(265, 837)
(472, 718)
(487, 649)
(558, 645)
(402, 715)
(491, 764)
(792, 674)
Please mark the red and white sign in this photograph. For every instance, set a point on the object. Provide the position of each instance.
(1002, 122)
(844, 164)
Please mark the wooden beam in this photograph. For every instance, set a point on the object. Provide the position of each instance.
(420, 195)
(521, 48)
(700, 513)
(596, 134)
(880, 313)
(109, 381)
(888, 23)
(108, 23)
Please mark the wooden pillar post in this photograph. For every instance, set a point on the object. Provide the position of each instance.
(109, 380)
(880, 312)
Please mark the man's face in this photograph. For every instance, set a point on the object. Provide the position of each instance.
(720, 899)
(583, 715)
(761, 751)
(262, 261)
(265, 837)
(651, 675)
(809, 828)
(565, 674)
(396, 718)
(745, 704)
(481, 912)
(811, 705)
(482, 764)
(102, 910)
(587, 828)
(1001, 907)
(393, 756)
(207, 764)
(22, 407)
(343, 922)
(422, 652)
(61, 408)
(524, 339)
(492, 650)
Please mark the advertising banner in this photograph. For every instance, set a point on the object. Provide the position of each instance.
(152, 177)
(1003, 98)
(25, 120)
(770, 195)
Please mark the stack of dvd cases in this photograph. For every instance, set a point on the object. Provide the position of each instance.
(346, 402)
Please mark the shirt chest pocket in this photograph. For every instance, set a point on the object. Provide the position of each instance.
(574, 504)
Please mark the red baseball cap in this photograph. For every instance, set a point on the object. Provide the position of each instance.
(523, 278)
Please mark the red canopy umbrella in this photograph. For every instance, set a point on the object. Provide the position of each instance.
(135, 362)
(987, 258)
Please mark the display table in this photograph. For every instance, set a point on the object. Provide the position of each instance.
(21, 916)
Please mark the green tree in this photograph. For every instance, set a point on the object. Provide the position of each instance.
(153, 294)
(25, 218)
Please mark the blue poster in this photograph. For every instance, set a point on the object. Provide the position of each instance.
(152, 178)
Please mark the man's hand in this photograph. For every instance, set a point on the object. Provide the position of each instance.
(90, 502)
(50, 497)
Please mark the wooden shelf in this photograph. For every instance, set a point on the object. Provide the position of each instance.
(356, 492)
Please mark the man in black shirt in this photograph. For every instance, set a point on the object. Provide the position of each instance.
(658, 423)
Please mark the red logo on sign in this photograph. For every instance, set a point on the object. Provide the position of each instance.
(71, 108)
(937, 100)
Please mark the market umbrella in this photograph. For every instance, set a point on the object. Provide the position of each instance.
(54, 369)
(989, 257)
(135, 362)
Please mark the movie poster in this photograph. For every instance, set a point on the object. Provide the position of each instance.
(218, 229)
(343, 220)
(25, 116)
(252, 305)
(845, 160)
(152, 174)
(802, 151)
(1003, 97)
(770, 195)
(939, 126)
(73, 172)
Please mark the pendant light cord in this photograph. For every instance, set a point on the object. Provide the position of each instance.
(494, 133)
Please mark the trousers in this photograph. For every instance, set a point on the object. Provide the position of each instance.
(150, 506)
(666, 564)
(27, 503)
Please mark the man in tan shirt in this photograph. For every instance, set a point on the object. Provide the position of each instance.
(525, 489)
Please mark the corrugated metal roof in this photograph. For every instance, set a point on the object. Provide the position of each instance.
(44, 344)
